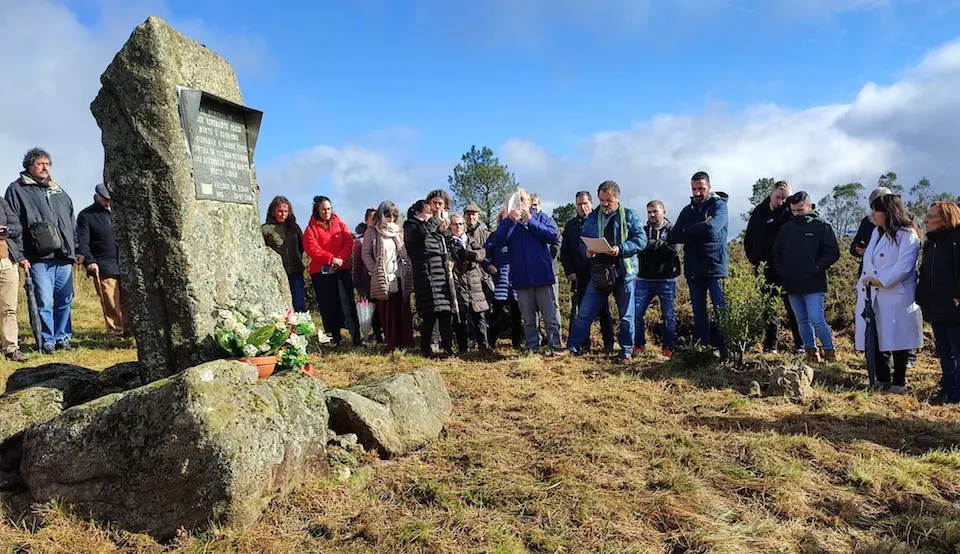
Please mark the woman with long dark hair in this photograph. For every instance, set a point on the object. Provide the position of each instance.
(391, 275)
(282, 233)
(329, 244)
(425, 236)
(938, 292)
(890, 270)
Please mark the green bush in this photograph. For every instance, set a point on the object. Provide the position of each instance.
(749, 306)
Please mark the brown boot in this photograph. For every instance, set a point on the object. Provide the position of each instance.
(813, 355)
(829, 356)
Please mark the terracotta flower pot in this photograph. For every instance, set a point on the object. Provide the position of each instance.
(265, 365)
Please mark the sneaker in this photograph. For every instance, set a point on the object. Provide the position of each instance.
(880, 386)
(770, 351)
(16, 356)
(897, 389)
(48, 348)
(64, 345)
(560, 353)
(667, 353)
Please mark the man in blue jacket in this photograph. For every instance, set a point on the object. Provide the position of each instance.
(46, 215)
(613, 271)
(528, 233)
(702, 229)
(576, 266)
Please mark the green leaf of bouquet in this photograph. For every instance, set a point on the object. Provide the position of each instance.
(260, 336)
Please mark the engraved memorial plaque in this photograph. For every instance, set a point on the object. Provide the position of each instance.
(221, 137)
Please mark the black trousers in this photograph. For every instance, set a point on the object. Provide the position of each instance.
(338, 310)
(503, 313)
(444, 322)
(479, 321)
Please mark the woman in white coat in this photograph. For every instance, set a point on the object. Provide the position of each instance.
(890, 268)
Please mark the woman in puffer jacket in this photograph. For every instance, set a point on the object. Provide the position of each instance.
(391, 275)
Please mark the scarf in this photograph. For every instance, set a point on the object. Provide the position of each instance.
(602, 224)
(388, 230)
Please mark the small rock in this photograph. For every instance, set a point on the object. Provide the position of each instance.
(792, 381)
(395, 416)
(347, 441)
(755, 391)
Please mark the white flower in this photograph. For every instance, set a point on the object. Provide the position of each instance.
(265, 347)
(297, 341)
(249, 350)
(243, 332)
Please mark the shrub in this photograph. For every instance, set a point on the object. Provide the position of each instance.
(749, 306)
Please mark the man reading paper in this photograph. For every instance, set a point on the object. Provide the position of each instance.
(613, 268)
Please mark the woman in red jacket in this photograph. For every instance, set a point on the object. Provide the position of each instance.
(328, 242)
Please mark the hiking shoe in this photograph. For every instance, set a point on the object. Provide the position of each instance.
(829, 356)
(559, 353)
(64, 345)
(48, 348)
(770, 350)
(667, 353)
(897, 389)
(880, 386)
(16, 356)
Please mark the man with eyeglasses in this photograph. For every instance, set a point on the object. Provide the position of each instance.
(576, 267)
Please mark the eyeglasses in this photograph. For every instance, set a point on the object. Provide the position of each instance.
(456, 223)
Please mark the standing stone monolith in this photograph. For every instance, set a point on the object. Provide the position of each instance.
(178, 146)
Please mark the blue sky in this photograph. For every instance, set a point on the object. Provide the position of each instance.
(373, 99)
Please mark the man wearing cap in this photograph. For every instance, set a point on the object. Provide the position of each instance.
(45, 212)
(97, 250)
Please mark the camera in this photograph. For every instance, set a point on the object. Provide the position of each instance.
(3, 231)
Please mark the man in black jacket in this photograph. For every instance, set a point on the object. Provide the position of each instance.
(97, 250)
(659, 269)
(45, 212)
(573, 258)
(766, 219)
(805, 247)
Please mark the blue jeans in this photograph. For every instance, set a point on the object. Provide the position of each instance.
(298, 291)
(593, 299)
(606, 320)
(707, 332)
(947, 336)
(810, 319)
(646, 292)
(53, 289)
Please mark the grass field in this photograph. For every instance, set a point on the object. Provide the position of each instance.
(584, 455)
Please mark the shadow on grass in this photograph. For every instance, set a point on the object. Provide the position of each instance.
(908, 435)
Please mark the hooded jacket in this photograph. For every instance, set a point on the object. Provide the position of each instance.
(805, 247)
(324, 242)
(660, 260)
(702, 229)
(35, 201)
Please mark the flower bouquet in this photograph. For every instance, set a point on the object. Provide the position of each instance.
(244, 333)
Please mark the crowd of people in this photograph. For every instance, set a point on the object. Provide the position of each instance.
(469, 282)
(39, 233)
(474, 283)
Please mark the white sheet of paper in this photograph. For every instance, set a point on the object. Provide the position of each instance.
(600, 246)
